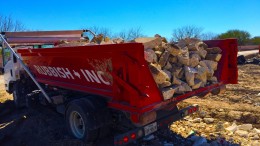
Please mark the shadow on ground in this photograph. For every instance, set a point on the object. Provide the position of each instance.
(43, 126)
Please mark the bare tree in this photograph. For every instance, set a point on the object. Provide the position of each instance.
(101, 30)
(7, 23)
(208, 36)
(186, 32)
(130, 34)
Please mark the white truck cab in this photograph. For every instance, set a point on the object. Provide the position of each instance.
(11, 70)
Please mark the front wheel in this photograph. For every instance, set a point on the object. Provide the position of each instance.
(19, 95)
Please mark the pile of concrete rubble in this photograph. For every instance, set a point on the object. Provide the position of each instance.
(176, 67)
(181, 67)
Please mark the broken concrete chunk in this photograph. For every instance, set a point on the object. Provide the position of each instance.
(106, 42)
(156, 65)
(194, 60)
(196, 46)
(177, 71)
(168, 74)
(202, 52)
(202, 45)
(187, 41)
(174, 49)
(208, 120)
(118, 41)
(256, 131)
(173, 59)
(107, 39)
(232, 128)
(180, 89)
(245, 127)
(184, 87)
(184, 58)
(158, 75)
(208, 66)
(202, 74)
(213, 79)
(197, 84)
(194, 52)
(158, 53)
(242, 133)
(165, 84)
(168, 92)
(168, 66)
(164, 58)
(159, 48)
(211, 64)
(213, 50)
(149, 42)
(97, 39)
(189, 75)
(150, 56)
(176, 81)
(163, 38)
(213, 57)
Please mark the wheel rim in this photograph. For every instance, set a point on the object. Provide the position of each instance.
(77, 125)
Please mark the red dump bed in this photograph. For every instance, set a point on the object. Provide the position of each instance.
(118, 72)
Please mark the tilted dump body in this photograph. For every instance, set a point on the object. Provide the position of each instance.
(118, 72)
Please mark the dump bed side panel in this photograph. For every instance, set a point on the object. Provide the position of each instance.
(227, 71)
(116, 71)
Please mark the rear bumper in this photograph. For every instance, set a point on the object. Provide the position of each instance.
(154, 126)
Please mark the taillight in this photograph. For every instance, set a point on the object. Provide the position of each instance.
(128, 137)
(191, 110)
(125, 139)
(133, 136)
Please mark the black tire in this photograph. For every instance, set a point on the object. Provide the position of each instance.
(19, 95)
(32, 99)
(80, 121)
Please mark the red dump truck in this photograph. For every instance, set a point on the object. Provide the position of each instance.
(100, 87)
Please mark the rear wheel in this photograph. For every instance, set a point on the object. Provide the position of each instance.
(77, 124)
(79, 121)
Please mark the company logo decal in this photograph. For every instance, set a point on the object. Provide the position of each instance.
(66, 73)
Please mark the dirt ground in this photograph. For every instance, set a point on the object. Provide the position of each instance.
(240, 103)
(243, 97)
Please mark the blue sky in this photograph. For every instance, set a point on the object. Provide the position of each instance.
(153, 16)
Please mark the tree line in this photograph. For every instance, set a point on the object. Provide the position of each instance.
(8, 23)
